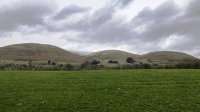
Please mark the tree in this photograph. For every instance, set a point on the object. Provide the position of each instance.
(130, 60)
(49, 62)
(86, 64)
(53, 63)
(60, 65)
(95, 62)
(146, 66)
(115, 61)
(196, 65)
(110, 61)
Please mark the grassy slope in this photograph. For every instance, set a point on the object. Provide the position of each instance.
(100, 91)
(105, 56)
(169, 55)
(113, 54)
(43, 52)
(39, 52)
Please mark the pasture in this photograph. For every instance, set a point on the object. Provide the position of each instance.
(100, 91)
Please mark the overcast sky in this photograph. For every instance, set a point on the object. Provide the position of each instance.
(137, 26)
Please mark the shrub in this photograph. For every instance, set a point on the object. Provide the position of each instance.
(112, 61)
(130, 60)
(53, 63)
(95, 62)
(49, 62)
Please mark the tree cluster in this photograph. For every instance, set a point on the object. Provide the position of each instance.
(130, 60)
(113, 62)
(95, 65)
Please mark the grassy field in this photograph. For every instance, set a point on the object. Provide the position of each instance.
(101, 91)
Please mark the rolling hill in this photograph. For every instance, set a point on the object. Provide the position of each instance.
(169, 56)
(112, 54)
(44, 52)
(105, 56)
(38, 52)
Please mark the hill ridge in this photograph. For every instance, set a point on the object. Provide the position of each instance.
(36, 51)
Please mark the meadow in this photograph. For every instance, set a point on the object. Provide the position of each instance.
(100, 91)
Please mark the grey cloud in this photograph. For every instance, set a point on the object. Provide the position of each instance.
(123, 3)
(23, 14)
(101, 27)
(169, 20)
(111, 32)
(102, 16)
(193, 9)
(89, 22)
(164, 12)
(181, 25)
(94, 21)
(144, 17)
(161, 22)
(99, 17)
(70, 10)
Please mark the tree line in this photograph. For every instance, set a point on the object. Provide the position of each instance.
(95, 65)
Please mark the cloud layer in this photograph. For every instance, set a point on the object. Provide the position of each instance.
(167, 26)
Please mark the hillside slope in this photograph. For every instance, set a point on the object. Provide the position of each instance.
(105, 56)
(170, 56)
(113, 54)
(37, 52)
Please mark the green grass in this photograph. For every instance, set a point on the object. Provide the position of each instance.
(101, 91)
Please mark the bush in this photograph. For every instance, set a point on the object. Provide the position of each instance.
(110, 61)
(146, 66)
(95, 62)
(130, 60)
(53, 63)
(49, 62)
(113, 61)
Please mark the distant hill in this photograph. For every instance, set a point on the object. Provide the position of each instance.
(113, 54)
(117, 55)
(38, 52)
(44, 52)
(170, 56)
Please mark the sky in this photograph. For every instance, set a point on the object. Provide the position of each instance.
(137, 26)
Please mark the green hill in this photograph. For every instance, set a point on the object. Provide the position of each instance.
(169, 56)
(44, 52)
(37, 52)
(105, 56)
(113, 54)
